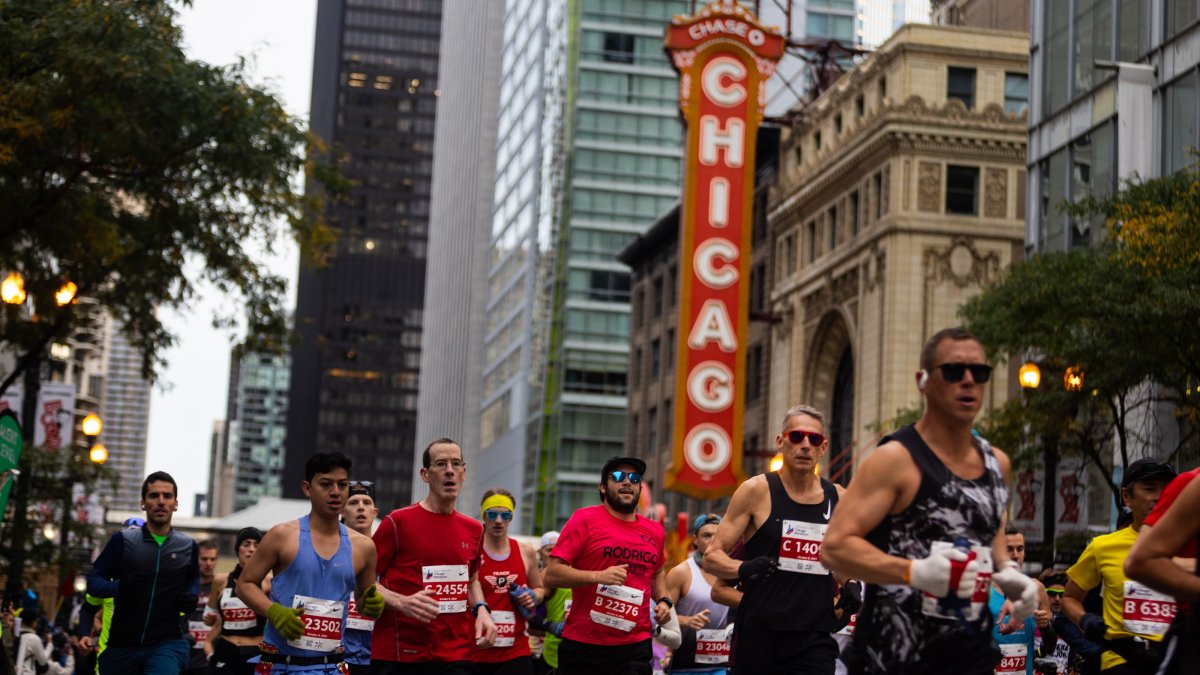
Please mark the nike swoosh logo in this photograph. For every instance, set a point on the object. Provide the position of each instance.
(828, 509)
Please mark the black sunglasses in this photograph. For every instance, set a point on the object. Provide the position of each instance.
(954, 372)
(796, 437)
(633, 476)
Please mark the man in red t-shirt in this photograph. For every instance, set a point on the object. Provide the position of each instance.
(428, 564)
(612, 558)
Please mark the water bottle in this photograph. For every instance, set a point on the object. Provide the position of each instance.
(515, 593)
(952, 603)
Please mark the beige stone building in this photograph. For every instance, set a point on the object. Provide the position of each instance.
(999, 14)
(901, 194)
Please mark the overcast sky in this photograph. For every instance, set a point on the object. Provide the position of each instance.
(276, 36)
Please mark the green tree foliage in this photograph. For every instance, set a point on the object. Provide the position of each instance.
(136, 173)
(1124, 312)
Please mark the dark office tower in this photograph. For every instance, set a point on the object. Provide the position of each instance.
(358, 319)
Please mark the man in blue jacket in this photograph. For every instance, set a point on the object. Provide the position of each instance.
(154, 576)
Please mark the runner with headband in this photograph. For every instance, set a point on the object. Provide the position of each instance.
(704, 647)
(359, 514)
(512, 588)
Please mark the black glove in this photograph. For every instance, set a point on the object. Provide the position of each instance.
(850, 598)
(1093, 627)
(757, 569)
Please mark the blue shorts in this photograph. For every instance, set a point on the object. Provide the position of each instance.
(165, 658)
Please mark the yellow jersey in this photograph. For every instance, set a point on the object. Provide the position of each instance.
(1129, 608)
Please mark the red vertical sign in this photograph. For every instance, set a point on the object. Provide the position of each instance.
(724, 57)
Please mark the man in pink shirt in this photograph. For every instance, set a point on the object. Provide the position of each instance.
(612, 558)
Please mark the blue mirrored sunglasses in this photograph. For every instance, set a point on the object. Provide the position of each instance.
(634, 477)
(502, 515)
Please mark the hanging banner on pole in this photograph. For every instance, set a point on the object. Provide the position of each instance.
(1071, 502)
(11, 400)
(1028, 509)
(724, 57)
(54, 417)
(10, 454)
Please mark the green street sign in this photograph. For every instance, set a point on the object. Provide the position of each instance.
(10, 453)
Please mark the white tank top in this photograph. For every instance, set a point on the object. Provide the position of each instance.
(699, 597)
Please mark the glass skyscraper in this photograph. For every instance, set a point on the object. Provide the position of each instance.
(359, 318)
(588, 155)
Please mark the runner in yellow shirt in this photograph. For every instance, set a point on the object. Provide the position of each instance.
(1135, 617)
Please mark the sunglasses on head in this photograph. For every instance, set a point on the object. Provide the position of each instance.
(1056, 593)
(502, 515)
(954, 372)
(796, 437)
(362, 484)
(633, 476)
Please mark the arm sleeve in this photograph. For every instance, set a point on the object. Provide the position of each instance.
(385, 546)
(103, 581)
(571, 541)
(87, 616)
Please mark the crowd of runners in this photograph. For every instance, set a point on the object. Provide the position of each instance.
(910, 569)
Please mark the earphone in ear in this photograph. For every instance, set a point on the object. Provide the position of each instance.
(922, 379)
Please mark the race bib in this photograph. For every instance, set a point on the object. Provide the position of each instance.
(199, 631)
(358, 621)
(1146, 611)
(800, 547)
(711, 646)
(322, 621)
(617, 607)
(1012, 659)
(983, 582)
(849, 629)
(506, 628)
(449, 586)
(235, 615)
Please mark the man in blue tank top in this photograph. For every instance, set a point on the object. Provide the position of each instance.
(923, 525)
(786, 611)
(317, 562)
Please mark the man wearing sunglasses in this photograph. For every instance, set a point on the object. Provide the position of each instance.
(612, 559)
(923, 524)
(1136, 617)
(512, 587)
(429, 570)
(785, 617)
(1072, 649)
(703, 621)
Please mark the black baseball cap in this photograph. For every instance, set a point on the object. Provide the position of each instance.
(1145, 469)
(613, 462)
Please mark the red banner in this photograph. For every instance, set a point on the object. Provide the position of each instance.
(724, 57)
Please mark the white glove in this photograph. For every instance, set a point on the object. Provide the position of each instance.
(933, 574)
(1020, 589)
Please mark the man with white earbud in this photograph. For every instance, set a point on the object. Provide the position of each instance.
(923, 524)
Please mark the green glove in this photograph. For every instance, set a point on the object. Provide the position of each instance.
(286, 620)
(372, 603)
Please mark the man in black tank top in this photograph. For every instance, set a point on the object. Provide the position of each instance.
(786, 611)
(923, 525)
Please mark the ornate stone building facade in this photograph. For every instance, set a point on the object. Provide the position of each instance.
(900, 195)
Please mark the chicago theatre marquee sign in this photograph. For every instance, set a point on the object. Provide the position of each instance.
(724, 57)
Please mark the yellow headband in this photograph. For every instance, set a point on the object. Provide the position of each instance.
(498, 500)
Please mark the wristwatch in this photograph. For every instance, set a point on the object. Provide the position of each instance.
(476, 606)
(665, 599)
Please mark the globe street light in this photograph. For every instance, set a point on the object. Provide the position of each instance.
(1030, 375)
(65, 295)
(98, 454)
(12, 289)
(91, 425)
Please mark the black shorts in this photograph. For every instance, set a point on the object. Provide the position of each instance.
(230, 658)
(519, 666)
(426, 668)
(771, 652)
(580, 658)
